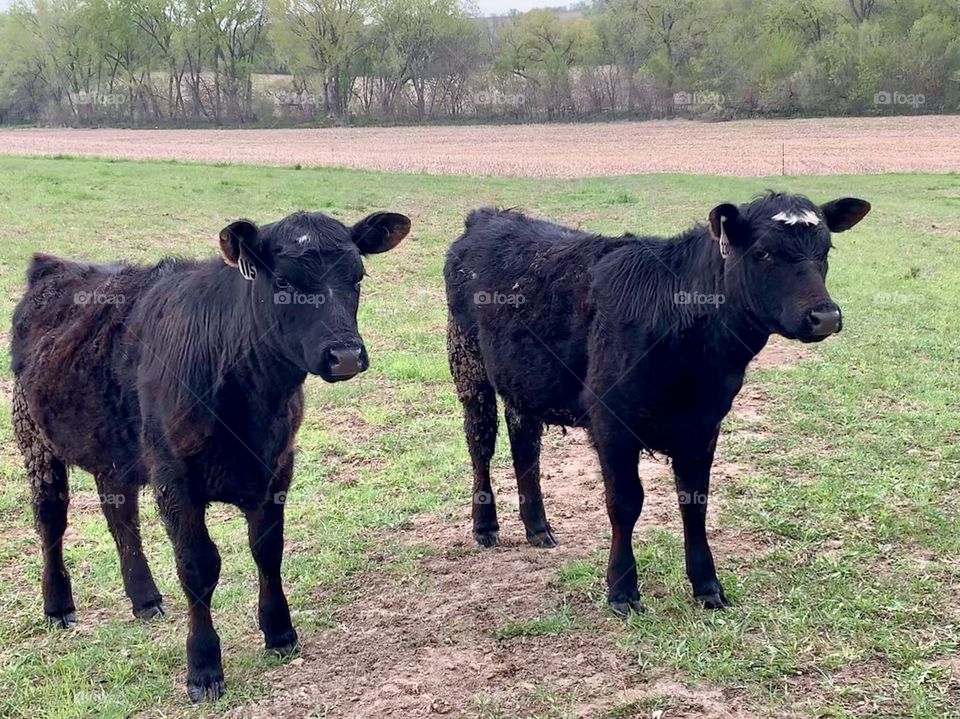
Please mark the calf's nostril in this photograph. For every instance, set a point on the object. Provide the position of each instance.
(825, 322)
(346, 362)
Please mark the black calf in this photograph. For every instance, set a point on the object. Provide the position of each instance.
(642, 340)
(187, 376)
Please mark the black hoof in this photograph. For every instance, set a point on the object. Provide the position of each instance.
(153, 610)
(63, 620)
(285, 651)
(286, 645)
(715, 600)
(624, 608)
(205, 689)
(487, 539)
(543, 539)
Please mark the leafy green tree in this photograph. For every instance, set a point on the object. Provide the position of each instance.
(320, 40)
(541, 49)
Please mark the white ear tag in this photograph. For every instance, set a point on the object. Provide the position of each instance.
(247, 269)
(724, 241)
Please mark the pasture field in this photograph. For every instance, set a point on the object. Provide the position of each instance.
(833, 521)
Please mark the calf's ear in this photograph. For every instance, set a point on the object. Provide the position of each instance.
(380, 232)
(726, 226)
(239, 242)
(844, 213)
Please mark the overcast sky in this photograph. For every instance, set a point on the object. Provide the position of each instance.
(502, 7)
(486, 7)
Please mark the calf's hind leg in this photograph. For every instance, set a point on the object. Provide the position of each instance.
(479, 402)
(120, 504)
(525, 433)
(50, 496)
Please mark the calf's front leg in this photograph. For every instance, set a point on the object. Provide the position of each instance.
(619, 453)
(198, 566)
(265, 532)
(692, 475)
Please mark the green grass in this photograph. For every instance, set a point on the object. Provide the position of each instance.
(853, 485)
(546, 626)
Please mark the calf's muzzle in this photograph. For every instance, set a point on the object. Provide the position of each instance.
(346, 362)
(825, 320)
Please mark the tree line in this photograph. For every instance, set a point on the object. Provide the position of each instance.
(267, 62)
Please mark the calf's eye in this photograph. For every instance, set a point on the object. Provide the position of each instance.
(282, 284)
(761, 255)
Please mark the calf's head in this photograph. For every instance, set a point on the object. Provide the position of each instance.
(775, 253)
(305, 273)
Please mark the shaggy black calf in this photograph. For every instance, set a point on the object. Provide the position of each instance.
(642, 340)
(187, 375)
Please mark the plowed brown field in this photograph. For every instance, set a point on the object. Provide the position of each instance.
(744, 148)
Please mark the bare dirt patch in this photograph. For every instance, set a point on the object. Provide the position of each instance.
(673, 699)
(744, 148)
(426, 643)
(779, 352)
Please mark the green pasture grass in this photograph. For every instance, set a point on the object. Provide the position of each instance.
(851, 487)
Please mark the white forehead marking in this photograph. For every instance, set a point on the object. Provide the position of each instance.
(303, 239)
(806, 217)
